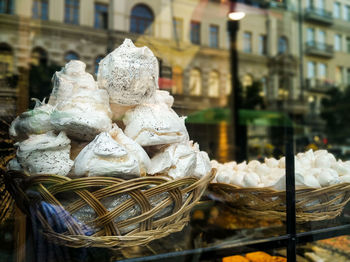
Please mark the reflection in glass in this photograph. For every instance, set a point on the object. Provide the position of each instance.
(71, 12)
(101, 16)
(177, 80)
(247, 42)
(195, 32)
(195, 82)
(214, 36)
(141, 19)
(71, 56)
(214, 84)
(6, 6)
(40, 9)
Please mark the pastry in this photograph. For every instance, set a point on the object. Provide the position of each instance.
(154, 124)
(129, 74)
(132, 147)
(36, 121)
(45, 154)
(85, 112)
(105, 157)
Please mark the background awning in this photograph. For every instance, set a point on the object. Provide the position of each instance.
(246, 117)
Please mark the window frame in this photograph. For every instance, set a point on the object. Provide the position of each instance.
(247, 42)
(195, 32)
(72, 12)
(214, 36)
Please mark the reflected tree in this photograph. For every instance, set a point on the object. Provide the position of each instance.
(335, 112)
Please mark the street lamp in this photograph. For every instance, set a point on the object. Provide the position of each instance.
(239, 135)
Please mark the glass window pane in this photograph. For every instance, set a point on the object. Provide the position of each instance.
(247, 42)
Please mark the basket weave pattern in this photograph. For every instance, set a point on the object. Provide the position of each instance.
(181, 195)
(311, 204)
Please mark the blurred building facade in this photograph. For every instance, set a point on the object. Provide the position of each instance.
(295, 63)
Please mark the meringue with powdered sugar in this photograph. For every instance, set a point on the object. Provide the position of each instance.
(85, 112)
(105, 157)
(36, 121)
(154, 124)
(45, 154)
(129, 74)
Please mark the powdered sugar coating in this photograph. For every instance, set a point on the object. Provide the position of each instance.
(45, 154)
(84, 115)
(129, 74)
(105, 157)
(132, 147)
(181, 160)
(154, 124)
(36, 121)
(68, 80)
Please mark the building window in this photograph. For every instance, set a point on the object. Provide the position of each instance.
(347, 13)
(247, 42)
(195, 32)
(40, 9)
(71, 12)
(282, 45)
(228, 85)
(310, 35)
(321, 36)
(348, 44)
(97, 63)
(178, 28)
(311, 70)
(39, 56)
(214, 36)
(6, 7)
(214, 84)
(177, 80)
(339, 75)
(101, 16)
(336, 10)
(195, 82)
(322, 71)
(6, 63)
(337, 42)
(71, 56)
(262, 45)
(141, 20)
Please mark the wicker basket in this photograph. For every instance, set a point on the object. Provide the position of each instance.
(311, 204)
(178, 196)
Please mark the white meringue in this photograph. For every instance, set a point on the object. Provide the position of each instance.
(132, 147)
(251, 179)
(45, 154)
(129, 74)
(340, 168)
(202, 166)
(154, 124)
(161, 96)
(253, 164)
(236, 178)
(67, 81)
(177, 160)
(85, 112)
(271, 162)
(14, 165)
(105, 157)
(36, 121)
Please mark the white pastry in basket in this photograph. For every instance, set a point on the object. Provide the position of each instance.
(14, 165)
(36, 121)
(180, 160)
(69, 80)
(105, 157)
(45, 154)
(86, 112)
(129, 74)
(154, 124)
(132, 147)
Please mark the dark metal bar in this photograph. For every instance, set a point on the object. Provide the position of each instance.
(301, 50)
(290, 194)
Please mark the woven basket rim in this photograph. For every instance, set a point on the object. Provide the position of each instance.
(148, 229)
(272, 190)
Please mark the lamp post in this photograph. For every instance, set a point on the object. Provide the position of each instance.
(239, 140)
